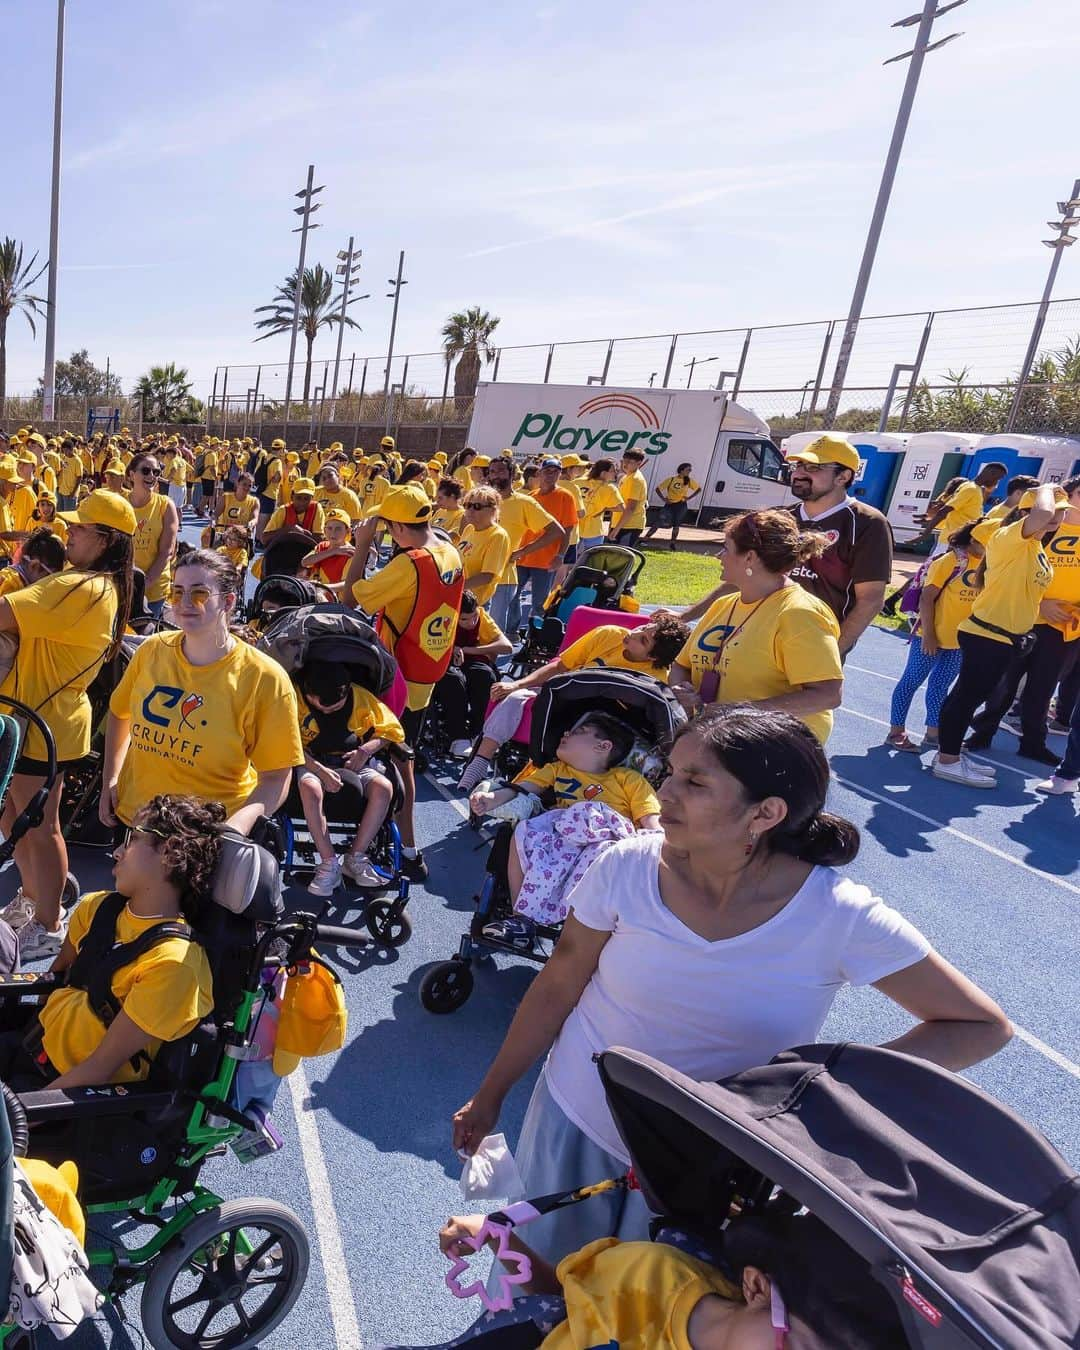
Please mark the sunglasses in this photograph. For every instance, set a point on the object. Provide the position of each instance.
(198, 595)
(479, 506)
(148, 472)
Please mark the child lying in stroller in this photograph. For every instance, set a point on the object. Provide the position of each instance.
(343, 728)
(596, 801)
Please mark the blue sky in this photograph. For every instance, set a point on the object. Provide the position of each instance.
(579, 169)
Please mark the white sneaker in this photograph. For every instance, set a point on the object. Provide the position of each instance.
(475, 772)
(36, 943)
(359, 869)
(963, 771)
(980, 765)
(1058, 787)
(327, 878)
(460, 749)
(1011, 722)
(18, 911)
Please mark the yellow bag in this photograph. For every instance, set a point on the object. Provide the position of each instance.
(313, 1017)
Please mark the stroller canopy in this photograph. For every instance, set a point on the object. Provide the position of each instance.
(334, 634)
(645, 704)
(965, 1213)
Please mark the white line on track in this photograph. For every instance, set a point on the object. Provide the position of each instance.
(327, 1226)
(863, 670)
(981, 759)
(456, 802)
(1048, 1051)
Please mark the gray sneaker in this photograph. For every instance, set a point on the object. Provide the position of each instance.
(18, 911)
(36, 943)
(327, 878)
(963, 772)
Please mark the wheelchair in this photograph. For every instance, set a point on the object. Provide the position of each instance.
(215, 1274)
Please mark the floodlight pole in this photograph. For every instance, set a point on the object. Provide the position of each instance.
(346, 273)
(922, 44)
(396, 293)
(1058, 246)
(307, 193)
(48, 401)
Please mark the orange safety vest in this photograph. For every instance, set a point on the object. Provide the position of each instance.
(292, 520)
(425, 645)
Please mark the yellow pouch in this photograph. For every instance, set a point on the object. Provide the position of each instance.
(313, 1017)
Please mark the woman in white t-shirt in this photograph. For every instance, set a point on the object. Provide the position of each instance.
(712, 946)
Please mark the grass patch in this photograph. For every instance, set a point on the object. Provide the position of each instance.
(899, 622)
(676, 578)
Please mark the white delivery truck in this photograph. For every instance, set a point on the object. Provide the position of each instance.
(728, 447)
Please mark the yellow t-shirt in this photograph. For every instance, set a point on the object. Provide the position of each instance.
(176, 471)
(22, 504)
(634, 489)
(372, 493)
(519, 513)
(344, 499)
(956, 596)
(965, 505)
(147, 541)
(277, 520)
(11, 579)
(166, 993)
(47, 478)
(393, 589)
(603, 646)
(70, 472)
(55, 526)
(676, 489)
(205, 730)
(236, 512)
(484, 551)
(1064, 554)
(487, 630)
(210, 466)
(599, 497)
(624, 790)
(463, 476)
(369, 717)
(1017, 575)
(65, 628)
(766, 649)
(237, 556)
(632, 1295)
(449, 518)
(574, 488)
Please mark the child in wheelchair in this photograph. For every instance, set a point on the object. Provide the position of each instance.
(550, 850)
(137, 976)
(343, 729)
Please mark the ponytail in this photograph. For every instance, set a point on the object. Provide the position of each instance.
(824, 840)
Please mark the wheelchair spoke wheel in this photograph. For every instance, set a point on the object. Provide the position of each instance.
(388, 928)
(446, 987)
(228, 1279)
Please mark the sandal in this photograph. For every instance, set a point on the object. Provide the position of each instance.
(902, 741)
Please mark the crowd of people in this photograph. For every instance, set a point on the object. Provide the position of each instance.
(713, 929)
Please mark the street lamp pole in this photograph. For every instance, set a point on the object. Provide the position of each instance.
(48, 402)
(307, 211)
(348, 268)
(930, 11)
(396, 295)
(1058, 247)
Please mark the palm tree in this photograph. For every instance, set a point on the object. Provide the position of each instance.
(316, 297)
(15, 283)
(468, 337)
(165, 393)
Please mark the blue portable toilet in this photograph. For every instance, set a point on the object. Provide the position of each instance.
(881, 453)
(1044, 457)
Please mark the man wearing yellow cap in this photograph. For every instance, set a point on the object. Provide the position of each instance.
(302, 515)
(264, 468)
(519, 515)
(418, 597)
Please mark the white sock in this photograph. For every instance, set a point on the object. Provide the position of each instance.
(409, 852)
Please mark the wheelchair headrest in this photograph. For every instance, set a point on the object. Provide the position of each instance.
(247, 881)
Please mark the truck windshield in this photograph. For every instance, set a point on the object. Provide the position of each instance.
(760, 459)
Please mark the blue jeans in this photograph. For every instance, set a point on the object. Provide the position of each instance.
(500, 604)
(942, 670)
(1070, 765)
(539, 579)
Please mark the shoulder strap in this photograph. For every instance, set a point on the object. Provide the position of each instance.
(412, 554)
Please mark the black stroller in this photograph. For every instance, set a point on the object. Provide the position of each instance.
(642, 703)
(600, 579)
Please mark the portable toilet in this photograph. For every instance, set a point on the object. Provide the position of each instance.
(1022, 454)
(931, 458)
(880, 454)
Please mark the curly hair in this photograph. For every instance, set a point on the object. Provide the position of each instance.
(186, 834)
(670, 637)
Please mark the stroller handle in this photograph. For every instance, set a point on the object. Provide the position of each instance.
(340, 937)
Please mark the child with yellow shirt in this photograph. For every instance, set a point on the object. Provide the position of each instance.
(234, 546)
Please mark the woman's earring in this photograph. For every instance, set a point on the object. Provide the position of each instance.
(749, 571)
(751, 841)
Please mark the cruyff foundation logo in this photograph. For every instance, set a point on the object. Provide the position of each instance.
(165, 698)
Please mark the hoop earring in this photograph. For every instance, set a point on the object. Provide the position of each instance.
(751, 841)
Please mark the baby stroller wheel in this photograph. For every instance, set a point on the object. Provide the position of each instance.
(229, 1278)
(72, 891)
(388, 928)
(446, 987)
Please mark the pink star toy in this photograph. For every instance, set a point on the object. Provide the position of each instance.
(504, 1254)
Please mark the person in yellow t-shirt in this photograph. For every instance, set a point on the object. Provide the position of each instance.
(66, 626)
(344, 730)
(627, 527)
(199, 712)
(522, 518)
(967, 502)
(459, 468)
(650, 648)
(42, 555)
(240, 507)
(484, 545)
(23, 501)
(234, 547)
(162, 875)
(71, 470)
(994, 636)
(331, 495)
(449, 512)
(46, 517)
(676, 493)
(769, 642)
(951, 584)
(601, 495)
(157, 528)
(175, 473)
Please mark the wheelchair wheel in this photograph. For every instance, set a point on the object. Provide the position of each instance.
(203, 1292)
(446, 987)
(386, 925)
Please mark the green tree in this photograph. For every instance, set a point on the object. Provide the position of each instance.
(78, 377)
(16, 280)
(165, 394)
(467, 336)
(316, 311)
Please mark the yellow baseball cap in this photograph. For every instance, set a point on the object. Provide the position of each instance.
(573, 461)
(440, 455)
(1027, 501)
(38, 439)
(480, 462)
(506, 453)
(114, 466)
(292, 457)
(102, 507)
(303, 485)
(388, 442)
(279, 444)
(8, 472)
(44, 495)
(337, 514)
(27, 458)
(828, 449)
(407, 505)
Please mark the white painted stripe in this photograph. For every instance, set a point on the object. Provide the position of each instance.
(456, 802)
(1047, 1051)
(979, 759)
(864, 671)
(327, 1226)
(959, 834)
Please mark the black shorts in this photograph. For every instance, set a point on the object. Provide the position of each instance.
(38, 768)
(267, 505)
